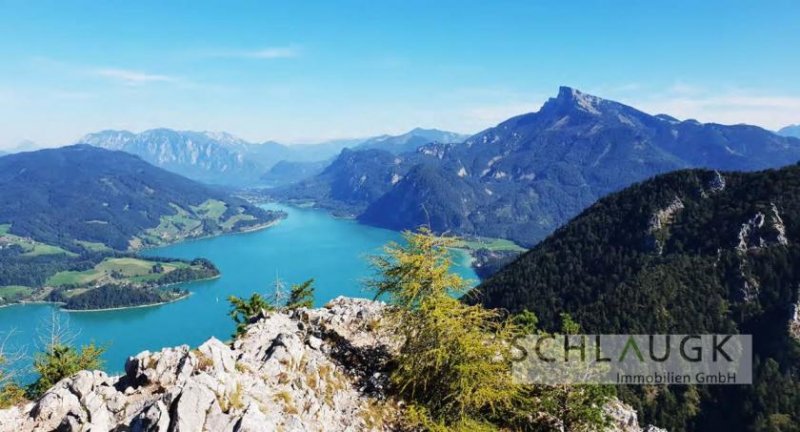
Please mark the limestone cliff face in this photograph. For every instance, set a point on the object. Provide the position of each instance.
(305, 370)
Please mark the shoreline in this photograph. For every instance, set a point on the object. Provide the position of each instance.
(313, 205)
(183, 297)
(45, 302)
(30, 302)
(189, 282)
(257, 227)
(269, 224)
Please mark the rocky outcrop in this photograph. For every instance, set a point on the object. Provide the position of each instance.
(794, 322)
(304, 370)
(717, 183)
(623, 418)
(762, 230)
(659, 223)
(318, 369)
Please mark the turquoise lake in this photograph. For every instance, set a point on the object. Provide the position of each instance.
(308, 244)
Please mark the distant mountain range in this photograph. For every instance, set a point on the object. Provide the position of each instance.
(790, 131)
(26, 145)
(530, 174)
(211, 158)
(287, 172)
(689, 252)
(221, 158)
(411, 140)
(350, 183)
(71, 196)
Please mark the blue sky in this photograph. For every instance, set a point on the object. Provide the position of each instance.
(305, 72)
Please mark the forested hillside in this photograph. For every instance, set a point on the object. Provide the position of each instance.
(75, 194)
(687, 252)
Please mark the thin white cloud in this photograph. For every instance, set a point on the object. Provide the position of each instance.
(275, 53)
(268, 53)
(132, 77)
(724, 106)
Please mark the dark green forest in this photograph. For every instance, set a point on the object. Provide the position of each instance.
(616, 270)
(114, 296)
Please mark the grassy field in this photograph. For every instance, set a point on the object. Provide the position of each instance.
(494, 244)
(230, 223)
(114, 270)
(45, 249)
(211, 209)
(173, 227)
(31, 247)
(92, 246)
(186, 224)
(13, 293)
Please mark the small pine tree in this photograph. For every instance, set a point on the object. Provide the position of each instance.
(301, 295)
(527, 321)
(454, 363)
(60, 361)
(243, 310)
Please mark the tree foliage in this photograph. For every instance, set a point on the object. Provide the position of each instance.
(243, 310)
(301, 295)
(454, 364)
(116, 296)
(10, 392)
(60, 361)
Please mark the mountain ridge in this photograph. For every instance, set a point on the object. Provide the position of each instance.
(410, 140)
(223, 158)
(192, 154)
(790, 131)
(524, 177)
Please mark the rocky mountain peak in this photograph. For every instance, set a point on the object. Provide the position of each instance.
(225, 138)
(572, 99)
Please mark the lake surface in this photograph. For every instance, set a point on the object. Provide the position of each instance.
(308, 244)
